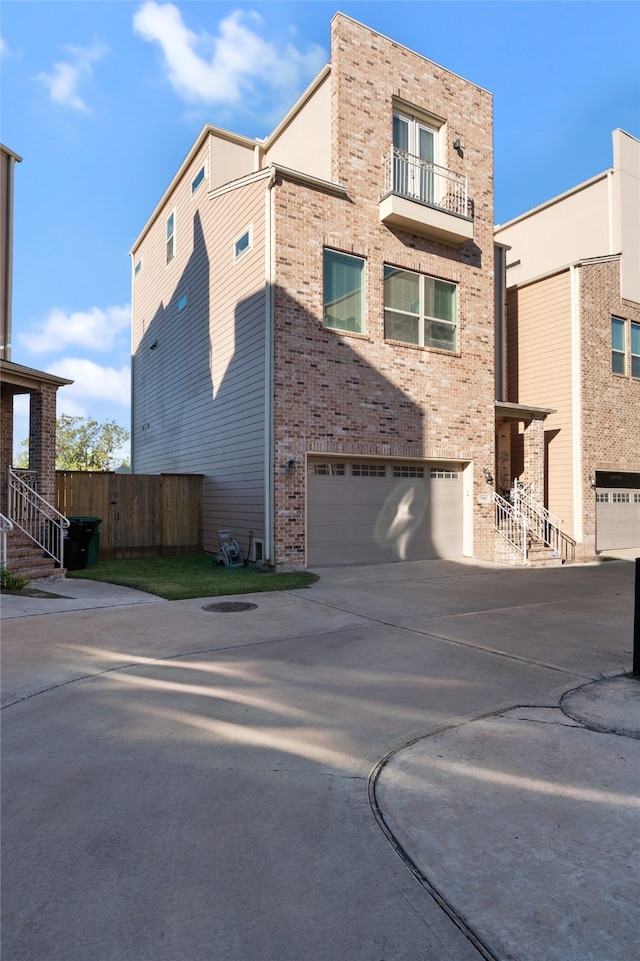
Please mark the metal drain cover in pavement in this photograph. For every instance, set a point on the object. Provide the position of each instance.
(229, 607)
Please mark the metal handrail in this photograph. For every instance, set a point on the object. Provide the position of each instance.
(5, 527)
(36, 517)
(511, 524)
(544, 525)
(409, 176)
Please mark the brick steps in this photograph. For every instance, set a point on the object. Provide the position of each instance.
(25, 559)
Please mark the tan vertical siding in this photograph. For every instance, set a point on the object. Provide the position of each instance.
(539, 338)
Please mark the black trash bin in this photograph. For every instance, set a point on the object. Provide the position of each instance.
(77, 538)
(94, 539)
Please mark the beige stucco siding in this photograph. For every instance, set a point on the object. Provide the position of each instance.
(539, 338)
(305, 143)
(559, 233)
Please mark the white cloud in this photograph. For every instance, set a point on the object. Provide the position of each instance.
(221, 69)
(65, 76)
(92, 381)
(94, 329)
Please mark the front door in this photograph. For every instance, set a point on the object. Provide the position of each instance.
(414, 157)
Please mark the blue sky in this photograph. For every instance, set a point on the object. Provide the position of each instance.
(103, 99)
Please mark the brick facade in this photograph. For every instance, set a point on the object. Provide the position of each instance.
(610, 402)
(355, 393)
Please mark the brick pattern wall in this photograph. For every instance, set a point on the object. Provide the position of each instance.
(610, 402)
(355, 393)
(42, 440)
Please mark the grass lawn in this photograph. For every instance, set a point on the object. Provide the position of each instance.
(190, 575)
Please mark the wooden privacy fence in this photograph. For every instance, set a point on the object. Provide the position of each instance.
(143, 515)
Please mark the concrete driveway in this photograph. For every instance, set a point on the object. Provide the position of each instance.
(377, 768)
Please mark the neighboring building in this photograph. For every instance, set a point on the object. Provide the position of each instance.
(573, 345)
(313, 324)
(33, 492)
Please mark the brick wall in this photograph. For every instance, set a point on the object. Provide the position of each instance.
(610, 402)
(355, 393)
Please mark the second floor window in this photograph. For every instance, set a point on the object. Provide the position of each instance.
(420, 310)
(343, 292)
(635, 350)
(170, 237)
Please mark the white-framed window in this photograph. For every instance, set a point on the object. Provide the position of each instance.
(636, 498)
(328, 469)
(368, 470)
(420, 310)
(243, 243)
(343, 292)
(198, 179)
(171, 236)
(416, 150)
(183, 301)
(602, 498)
(443, 473)
(635, 349)
(137, 268)
(408, 470)
(620, 497)
(618, 345)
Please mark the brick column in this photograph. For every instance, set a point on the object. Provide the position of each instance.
(6, 445)
(504, 478)
(42, 440)
(534, 458)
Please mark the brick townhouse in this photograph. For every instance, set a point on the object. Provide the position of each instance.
(573, 345)
(313, 319)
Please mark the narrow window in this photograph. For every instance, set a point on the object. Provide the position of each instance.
(635, 350)
(343, 292)
(199, 177)
(170, 237)
(420, 310)
(138, 267)
(182, 302)
(242, 243)
(617, 345)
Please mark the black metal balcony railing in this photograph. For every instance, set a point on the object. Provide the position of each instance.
(421, 180)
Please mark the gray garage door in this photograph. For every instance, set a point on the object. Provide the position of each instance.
(368, 512)
(617, 519)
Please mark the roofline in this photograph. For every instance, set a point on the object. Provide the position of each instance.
(306, 95)
(18, 374)
(522, 411)
(206, 131)
(10, 153)
(554, 200)
(270, 172)
(402, 46)
(583, 262)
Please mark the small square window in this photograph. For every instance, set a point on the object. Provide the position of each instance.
(343, 292)
(602, 498)
(618, 346)
(242, 244)
(197, 180)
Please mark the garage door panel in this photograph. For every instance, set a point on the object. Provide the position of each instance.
(362, 518)
(617, 519)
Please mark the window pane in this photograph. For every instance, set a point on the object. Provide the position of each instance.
(170, 226)
(635, 366)
(440, 335)
(617, 334)
(401, 290)
(617, 363)
(343, 291)
(401, 327)
(635, 339)
(440, 299)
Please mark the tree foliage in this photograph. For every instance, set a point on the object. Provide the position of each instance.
(83, 444)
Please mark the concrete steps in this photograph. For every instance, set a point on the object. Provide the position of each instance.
(25, 559)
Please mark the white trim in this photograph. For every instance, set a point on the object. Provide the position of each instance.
(269, 453)
(576, 404)
(168, 260)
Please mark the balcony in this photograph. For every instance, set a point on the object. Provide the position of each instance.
(426, 199)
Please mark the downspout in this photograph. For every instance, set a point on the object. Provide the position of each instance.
(131, 390)
(269, 499)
